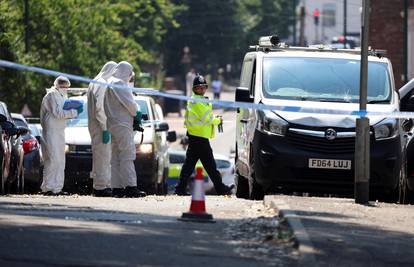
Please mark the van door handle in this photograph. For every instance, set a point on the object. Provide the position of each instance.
(244, 121)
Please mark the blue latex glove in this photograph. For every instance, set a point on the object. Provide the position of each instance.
(106, 137)
(138, 117)
(72, 104)
(80, 109)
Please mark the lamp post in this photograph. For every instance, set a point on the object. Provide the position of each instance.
(362, 138)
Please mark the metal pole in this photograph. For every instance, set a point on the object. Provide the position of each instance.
(294, 21)
(345, 22)
(362, 142)
(405, 53)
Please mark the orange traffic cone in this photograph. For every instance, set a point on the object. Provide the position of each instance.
(197, 211)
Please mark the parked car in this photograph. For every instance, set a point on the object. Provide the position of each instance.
(224, 165)
(151, 147)
(12, 173)
(298, 151)
(33, 161)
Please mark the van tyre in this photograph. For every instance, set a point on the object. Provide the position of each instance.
(256, 191)
(242, 187)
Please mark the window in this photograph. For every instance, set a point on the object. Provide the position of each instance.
(329, 15)
(323, 79)
(246, 74)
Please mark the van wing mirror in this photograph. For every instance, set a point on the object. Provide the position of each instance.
(171, 136)
(243, 95)
(162, 127)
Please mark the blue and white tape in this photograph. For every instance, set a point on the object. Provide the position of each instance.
(221, 103)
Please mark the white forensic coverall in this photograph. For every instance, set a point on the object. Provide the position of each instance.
(101, 153)
(53, 121)
(120, 109)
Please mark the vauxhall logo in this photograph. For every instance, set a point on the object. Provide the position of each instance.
(330, 134)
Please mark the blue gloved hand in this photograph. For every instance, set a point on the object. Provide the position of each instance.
(80, 109)
(106, 137)
(138, 117)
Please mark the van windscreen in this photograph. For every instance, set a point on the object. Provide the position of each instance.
(323, 79)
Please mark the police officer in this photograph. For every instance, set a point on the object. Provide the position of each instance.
(200, 122)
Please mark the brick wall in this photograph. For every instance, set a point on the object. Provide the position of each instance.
(386, 32)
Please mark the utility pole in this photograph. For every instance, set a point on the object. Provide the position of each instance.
(26, 25)
(294, 20)
(405, 53)
(302, 26)
(345, 22)
(362, 139)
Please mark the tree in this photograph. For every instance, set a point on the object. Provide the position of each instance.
(77, 37)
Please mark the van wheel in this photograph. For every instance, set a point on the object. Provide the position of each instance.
(256, 191)
(242, 186)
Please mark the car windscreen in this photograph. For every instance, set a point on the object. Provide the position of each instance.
(19, 122)
(81, 120)
(323, 79)
(176, 158)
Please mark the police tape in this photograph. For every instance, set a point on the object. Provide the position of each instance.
(221, 103)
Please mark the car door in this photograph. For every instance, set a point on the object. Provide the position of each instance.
(160, 142)
(245, 116)
(6, 147)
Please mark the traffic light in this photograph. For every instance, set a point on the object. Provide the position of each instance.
(316, 16)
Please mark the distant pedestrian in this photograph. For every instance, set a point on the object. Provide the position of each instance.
(100, 136)
(53, 120)
(200, 122)
(216, 88)
(189, 78)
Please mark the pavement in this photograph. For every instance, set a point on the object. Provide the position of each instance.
(338, 232)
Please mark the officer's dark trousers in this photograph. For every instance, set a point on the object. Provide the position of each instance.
(199, 149)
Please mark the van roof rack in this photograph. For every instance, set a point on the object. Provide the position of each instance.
(272, 44)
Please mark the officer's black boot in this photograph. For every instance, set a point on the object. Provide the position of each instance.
(118, 192)
(225, 190)
(107, 192)
(133, 192)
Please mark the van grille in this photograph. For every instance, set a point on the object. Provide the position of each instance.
(321, 145)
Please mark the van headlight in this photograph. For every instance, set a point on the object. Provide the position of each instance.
(272, 124)
(386, 128)
(143, 148)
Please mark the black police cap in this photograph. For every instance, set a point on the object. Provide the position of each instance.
(199, 80)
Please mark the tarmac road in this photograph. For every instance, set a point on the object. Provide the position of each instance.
(87, 231)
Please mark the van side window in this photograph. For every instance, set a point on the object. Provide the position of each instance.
(253, 80)
(245, 77)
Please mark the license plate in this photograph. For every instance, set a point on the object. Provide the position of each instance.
(330, 164)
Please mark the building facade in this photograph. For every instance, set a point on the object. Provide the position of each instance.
(330, 23)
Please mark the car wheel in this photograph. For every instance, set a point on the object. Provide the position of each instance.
(162, 188)
(404, 192)
(255, 190)
(2, 189)
(242, 186)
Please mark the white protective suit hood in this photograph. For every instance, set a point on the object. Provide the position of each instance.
(61, 83)
(123, 71)
(106, 71)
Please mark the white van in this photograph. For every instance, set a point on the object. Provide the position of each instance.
(290, 150)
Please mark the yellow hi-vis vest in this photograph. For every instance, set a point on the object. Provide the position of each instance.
(199, 119)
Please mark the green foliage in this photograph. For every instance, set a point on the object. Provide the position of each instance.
(78, 37)
(220, 32)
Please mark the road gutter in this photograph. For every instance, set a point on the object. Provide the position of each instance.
(304, 244)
